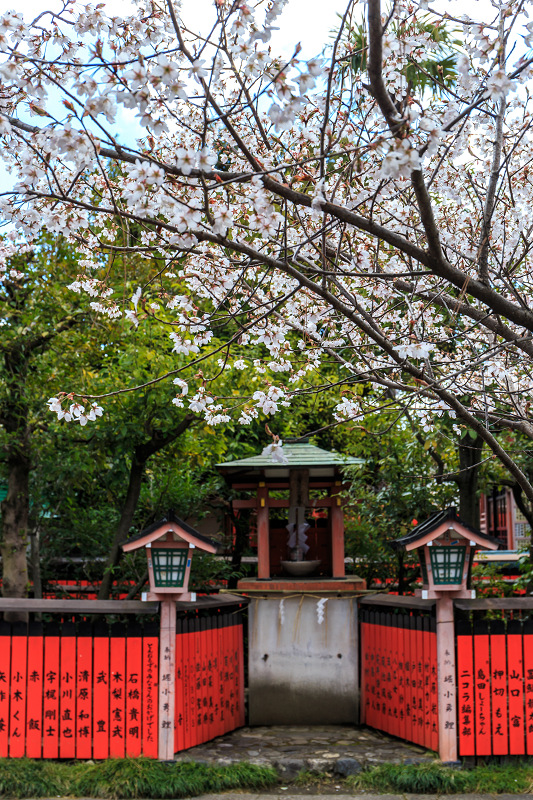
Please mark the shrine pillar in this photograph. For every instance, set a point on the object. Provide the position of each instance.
(263, 537)
(337, 532)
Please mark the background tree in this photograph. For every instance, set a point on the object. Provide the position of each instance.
(34, 318)
(368, 224)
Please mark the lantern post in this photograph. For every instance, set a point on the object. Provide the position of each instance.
(169, 546)
(446, 547)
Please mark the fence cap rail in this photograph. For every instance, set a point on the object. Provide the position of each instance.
(78, 606)
(382, 599)
(490, 603)
(214, 601)
(113, 606)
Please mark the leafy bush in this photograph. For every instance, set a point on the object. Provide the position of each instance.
(127, 778)
(435, 778)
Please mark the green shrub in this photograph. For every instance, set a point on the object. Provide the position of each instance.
(127, 778)
(435, 778)
(22, 777)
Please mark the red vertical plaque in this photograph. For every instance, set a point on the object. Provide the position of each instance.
(149, 690)
(465, 689)
(132, 688)
(17, 710)
(498, 688)
(101, 690)
(67, 692)
(180, 711)
(5, 682)
(482, 689)
(84, 691)
(515, 677)
(51, 691)
(434, 687)
(426, 641)
(187, 677)
(195, 682)
(528, 682)
(217, 684)
(34, 717)
(240, 634)
(117, 699)
(409, 655)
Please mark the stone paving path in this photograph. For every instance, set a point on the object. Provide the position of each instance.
(339, 749)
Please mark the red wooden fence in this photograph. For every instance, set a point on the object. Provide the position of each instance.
(495, 687)
(82, 690)
(78, 691)
(399, 675)
(210, 678)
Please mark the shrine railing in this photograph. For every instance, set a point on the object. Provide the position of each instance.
(491, 687)
(399, 669)
(73, 688)
(78, 690)
(495, 676)
(209, 678)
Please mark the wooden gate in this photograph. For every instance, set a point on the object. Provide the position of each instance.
(399, 673)
(209, 678)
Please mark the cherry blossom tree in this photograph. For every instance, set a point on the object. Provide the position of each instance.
(307, 211)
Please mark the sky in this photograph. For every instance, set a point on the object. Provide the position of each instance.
(307, 21)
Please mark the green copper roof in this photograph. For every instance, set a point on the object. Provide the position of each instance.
(298, 454)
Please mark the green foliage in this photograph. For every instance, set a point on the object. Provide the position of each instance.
(21, 777)
(438, 73)
(208, 571)
(115, 779)
(392, 490)
(435, 778)
(80, 475)
(488, 581)
(126, 778)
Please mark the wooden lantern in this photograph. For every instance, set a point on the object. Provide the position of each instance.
(446, 547)
(169, 546)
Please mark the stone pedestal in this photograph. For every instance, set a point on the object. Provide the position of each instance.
(303, 671)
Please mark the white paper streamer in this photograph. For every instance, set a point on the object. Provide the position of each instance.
(321, 609)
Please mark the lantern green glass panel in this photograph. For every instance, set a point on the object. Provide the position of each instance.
(447, 564)
(169, 566)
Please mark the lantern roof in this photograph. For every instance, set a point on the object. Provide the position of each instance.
(299, 454)
(439, 523)
(173, 524)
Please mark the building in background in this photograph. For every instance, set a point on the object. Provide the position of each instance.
(501, 518)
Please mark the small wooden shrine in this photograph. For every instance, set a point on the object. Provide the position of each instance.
(299, 516)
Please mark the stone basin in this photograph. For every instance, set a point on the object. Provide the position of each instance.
(300, 568)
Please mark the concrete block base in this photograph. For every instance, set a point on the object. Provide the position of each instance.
(303, 671)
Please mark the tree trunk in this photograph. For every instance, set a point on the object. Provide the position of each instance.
(141, 454)
(242, 532)
(15, 527)
(124, 525)
(467, 480)
(14, 418)
(15, 507)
